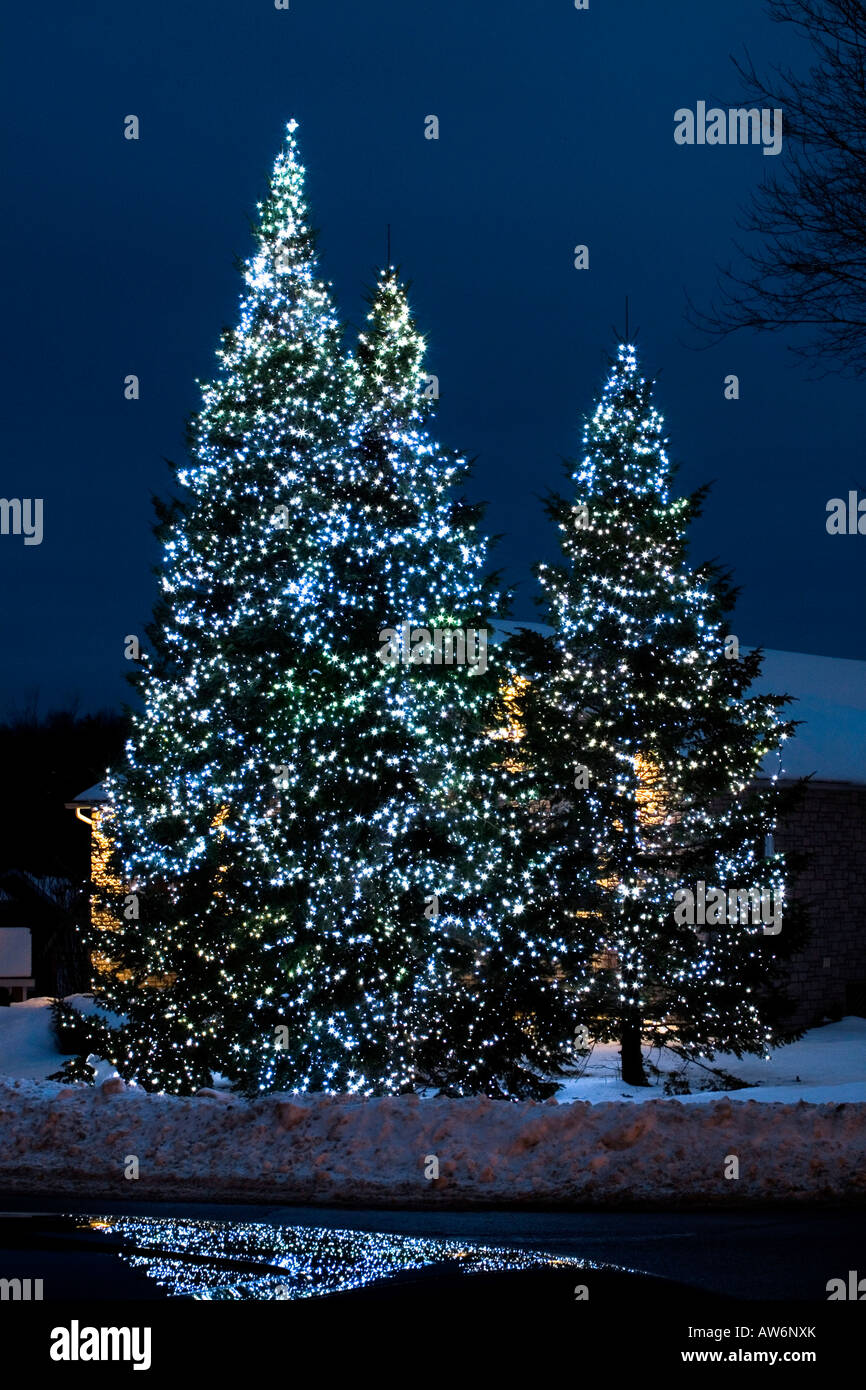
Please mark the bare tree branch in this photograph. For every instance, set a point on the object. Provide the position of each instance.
(805, 266)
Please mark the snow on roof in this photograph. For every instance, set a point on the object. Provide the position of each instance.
(829, 698)
(90, 797)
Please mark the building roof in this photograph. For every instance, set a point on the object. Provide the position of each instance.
(91, 796)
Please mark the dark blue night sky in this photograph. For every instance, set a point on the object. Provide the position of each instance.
(556, 129)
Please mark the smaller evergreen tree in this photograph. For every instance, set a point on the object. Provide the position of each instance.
(640, 706)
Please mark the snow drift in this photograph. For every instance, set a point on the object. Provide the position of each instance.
(346, 1150)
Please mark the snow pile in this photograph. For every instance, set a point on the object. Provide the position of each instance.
(27, 1044)
(386, 1152)
(28, 1047)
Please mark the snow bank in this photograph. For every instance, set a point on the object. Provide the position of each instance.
(350, 1151)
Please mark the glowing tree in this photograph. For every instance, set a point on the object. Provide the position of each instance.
(205, 832)
(640, 708)
(488, 978)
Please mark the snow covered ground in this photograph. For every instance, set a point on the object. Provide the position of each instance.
(592, 1146)
(828, 1064)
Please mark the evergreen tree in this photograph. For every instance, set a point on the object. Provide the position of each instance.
(640, 708)
(207, 833)
(488, 1004)
(410, 773)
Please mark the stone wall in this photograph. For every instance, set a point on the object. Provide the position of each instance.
(828, 978)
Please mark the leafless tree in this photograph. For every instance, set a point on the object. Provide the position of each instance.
(806, 266)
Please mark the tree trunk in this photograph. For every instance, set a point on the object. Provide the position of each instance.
(633, 1073)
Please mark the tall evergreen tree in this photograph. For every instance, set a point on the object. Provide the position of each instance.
(206, 835)
(643, 712)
